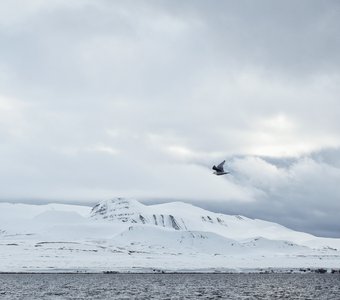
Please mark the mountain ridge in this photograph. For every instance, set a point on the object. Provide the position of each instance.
(124, 234)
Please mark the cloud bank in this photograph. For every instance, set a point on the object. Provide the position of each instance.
(139, 99)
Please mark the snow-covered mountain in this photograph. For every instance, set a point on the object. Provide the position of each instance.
(124, 234)
(186, 217)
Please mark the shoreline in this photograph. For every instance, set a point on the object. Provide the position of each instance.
(179, 272)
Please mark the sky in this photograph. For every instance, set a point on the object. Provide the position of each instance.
(100, 99)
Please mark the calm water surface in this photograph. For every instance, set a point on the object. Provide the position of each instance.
(169, 286)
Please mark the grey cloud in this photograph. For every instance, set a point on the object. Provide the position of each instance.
(301, 194)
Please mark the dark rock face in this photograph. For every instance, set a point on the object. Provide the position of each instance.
(174, 223)
(321, 271)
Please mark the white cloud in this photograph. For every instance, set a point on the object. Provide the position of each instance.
(101, 98)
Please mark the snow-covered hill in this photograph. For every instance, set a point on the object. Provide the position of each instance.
(124, 234)
(182, 216)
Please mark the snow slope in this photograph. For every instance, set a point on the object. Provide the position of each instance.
(125, 235)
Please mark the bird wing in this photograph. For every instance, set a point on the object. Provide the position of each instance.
(215, 168)
(220, 166)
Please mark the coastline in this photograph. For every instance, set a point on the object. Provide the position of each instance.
(198, 271)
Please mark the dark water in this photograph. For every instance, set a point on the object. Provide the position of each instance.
(169, 286)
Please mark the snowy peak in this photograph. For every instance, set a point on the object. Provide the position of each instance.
(134, 212)
(173, 215)
(120, 209)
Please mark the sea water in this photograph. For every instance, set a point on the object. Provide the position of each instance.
(169, 286)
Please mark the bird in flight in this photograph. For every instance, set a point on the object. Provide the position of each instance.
(219, 170)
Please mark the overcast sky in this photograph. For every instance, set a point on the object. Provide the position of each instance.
(100, 99)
